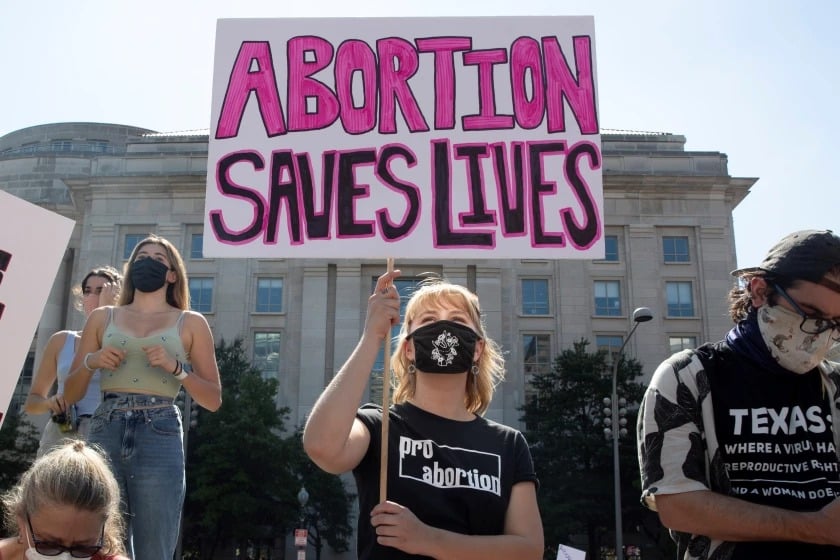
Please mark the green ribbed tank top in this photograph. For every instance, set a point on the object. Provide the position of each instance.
(135, 375)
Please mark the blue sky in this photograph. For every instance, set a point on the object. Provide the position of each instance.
(754, 80)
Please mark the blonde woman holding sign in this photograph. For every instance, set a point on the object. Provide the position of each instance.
(459, 486)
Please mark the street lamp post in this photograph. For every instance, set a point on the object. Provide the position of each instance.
(640, 315)
(302, 534)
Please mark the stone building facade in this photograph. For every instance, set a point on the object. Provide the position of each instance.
(670, 247)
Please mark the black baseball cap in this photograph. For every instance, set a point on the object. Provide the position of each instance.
(802, 255)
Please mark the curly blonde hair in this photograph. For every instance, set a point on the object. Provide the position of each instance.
(436, 292)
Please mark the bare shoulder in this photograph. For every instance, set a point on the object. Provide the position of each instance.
(10, 548)
(99, 315)
(195, 320)
(58, 339)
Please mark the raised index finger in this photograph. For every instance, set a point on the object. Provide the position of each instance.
(386, 280)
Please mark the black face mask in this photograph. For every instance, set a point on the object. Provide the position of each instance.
(444, 347)
(148, 275)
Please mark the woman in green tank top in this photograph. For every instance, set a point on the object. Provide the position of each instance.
(147, 347)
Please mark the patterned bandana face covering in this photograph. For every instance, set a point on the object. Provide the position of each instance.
(795, 350)
(444, 347)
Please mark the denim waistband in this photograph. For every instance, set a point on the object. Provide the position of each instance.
(135, 400)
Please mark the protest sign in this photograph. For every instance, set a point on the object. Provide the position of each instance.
(424, 137)
(568, 553)
(32, 245)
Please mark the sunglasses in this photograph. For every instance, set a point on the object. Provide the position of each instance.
(54, 549)
(811, 325)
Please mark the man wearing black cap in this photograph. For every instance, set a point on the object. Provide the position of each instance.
(737, 449)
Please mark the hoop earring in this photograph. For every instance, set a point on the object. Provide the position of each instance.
(412, 369)
(474, 369)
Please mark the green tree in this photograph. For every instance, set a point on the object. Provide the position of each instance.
(573, 458)
(18, 445)
(243, 475)
(240, 487)
(326, 515)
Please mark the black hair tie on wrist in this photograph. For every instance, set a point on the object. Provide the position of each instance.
(177, 367)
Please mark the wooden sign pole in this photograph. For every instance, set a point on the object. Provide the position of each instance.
(386, 404)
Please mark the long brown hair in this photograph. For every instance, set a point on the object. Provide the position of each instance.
(177, 293)
(73, 474)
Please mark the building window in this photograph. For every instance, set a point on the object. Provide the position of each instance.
(201, 294)
(269, 295)
(680, 299)
(197, 246)
(405, 287)
(609, 343)
(678, 343)
(536, 359)
(99, 146)
(675, 249)
(535, 296)
(61, 145)
(607, 298)
(130, 241)
(267, 354)
(611, 248)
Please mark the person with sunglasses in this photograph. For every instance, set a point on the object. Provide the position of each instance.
(67, 505)
(737, 449)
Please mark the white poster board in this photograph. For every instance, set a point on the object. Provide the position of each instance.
(568, 553)
(32, 245)
(405, 137)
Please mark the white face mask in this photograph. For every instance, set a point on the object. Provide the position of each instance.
(32, 554)
(795, 350)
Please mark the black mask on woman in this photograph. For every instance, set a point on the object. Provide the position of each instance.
(444, 347)
(148, 275)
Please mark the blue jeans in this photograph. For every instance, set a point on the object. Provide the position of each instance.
(142, 436)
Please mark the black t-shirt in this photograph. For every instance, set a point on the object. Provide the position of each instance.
(776, 443)
(452, 475)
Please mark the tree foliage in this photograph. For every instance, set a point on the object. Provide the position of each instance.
(18, 445)
(243, 475)
(327, 513)
(573, 458)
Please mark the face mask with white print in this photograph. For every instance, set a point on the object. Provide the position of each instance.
(793, 349)
(444, 347)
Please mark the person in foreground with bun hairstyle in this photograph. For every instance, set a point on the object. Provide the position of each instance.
(67, 505)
